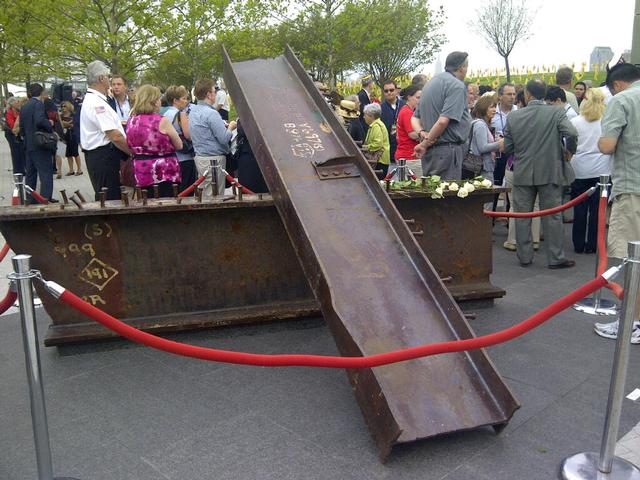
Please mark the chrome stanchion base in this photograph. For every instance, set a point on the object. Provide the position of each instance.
(605, 307)
(584, 466)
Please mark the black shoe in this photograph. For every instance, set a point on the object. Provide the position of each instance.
(525, 264)
(565, 264)
(53, 200)
(590, 250)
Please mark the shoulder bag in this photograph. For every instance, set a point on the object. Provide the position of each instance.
(46, 141)
(187, 145)
(472, 162)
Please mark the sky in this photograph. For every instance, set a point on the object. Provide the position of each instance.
(563, 32)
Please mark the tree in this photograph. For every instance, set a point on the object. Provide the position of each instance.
(390, 42)
(314, 34)
(503, 23)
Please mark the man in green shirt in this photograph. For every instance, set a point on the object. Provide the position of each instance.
(621, 139)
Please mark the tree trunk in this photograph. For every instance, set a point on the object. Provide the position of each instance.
(506, 64)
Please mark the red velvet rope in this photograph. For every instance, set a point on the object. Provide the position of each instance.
(330, 361)
(4, 251)
(8, 301)
(540, 213)
(39, 198)
(15, 200)
(603, 260)
(235, 182)
(187, 191)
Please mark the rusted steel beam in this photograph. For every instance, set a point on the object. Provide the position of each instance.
(376, 288)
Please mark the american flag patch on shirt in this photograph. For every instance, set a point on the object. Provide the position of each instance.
(100, 109)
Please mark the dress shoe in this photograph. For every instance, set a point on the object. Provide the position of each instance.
(525, 264)
(565, 264)
(53, 200)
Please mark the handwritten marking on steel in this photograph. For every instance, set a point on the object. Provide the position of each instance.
(92, 230)
(98, 273)
(306, 141)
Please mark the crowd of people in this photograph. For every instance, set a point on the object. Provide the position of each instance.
(130, 138)
(538, 140)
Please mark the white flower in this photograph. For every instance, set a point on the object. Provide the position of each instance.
(469, 187)
(486, 183)
(453, 187)
(477, 183)
(463, 192)
(439, 191)
(444, 185)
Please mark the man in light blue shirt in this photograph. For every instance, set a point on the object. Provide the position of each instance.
(209, 133)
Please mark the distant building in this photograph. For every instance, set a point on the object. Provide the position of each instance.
(438, 68)
(600, 56)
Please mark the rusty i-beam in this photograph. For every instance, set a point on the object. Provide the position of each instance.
(377, 290)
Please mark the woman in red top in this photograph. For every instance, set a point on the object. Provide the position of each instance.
(407, 138)
(15, 142)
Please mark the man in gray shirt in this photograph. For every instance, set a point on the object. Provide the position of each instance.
(535, 136)
(620, 134)
(442, 120)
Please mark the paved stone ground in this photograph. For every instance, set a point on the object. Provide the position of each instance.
(120, 411)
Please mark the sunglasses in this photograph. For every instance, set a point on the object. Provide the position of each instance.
(389, 91)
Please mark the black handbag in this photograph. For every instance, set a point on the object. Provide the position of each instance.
(187, 145)
(471, 161)
(46, 141)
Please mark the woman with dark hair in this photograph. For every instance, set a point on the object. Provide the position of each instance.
(405, 135)
(482, 141)
(520, 102)
(580, 90)
(51, 110)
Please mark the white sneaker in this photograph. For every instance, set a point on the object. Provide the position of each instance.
(610, 330)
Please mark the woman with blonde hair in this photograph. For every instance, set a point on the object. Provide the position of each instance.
(154, 142)
(72, 141)
(588, 163)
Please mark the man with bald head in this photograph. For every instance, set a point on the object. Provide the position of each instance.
(442, 120)
(535, 135)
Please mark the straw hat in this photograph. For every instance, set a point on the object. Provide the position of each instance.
(347, 109)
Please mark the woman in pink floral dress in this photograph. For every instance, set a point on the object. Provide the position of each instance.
(153, 141)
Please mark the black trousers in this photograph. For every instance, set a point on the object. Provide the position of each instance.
(584, 231)
(39, 167)
(189, 174)
(384, 168)
(103, 166)
(18, 159)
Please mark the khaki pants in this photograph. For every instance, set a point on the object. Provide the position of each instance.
(203, 163)
(535, 223)
(624, 227)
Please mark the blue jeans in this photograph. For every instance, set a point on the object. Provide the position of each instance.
(585, 217)
(39, 166)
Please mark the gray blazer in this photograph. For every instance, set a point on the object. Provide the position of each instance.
(536, 136)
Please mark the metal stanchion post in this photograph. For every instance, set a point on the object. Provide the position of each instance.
(18, 180)
(23, 276)
(215, 176)
(402, 170)
(597, 305)
(590, 465)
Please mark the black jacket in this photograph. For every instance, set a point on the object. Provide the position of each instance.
(32, 119)
(364, 101)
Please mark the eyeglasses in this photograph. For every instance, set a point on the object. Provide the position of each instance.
(390, 91)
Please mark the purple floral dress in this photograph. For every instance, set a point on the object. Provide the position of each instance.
(160, 163)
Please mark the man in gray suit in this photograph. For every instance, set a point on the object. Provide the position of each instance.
(537, 136)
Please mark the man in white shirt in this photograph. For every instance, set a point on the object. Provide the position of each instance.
(222, 102)
(101, 134)
(557, 96)
(120, 100)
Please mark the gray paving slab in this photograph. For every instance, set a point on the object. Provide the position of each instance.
(121, 411)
